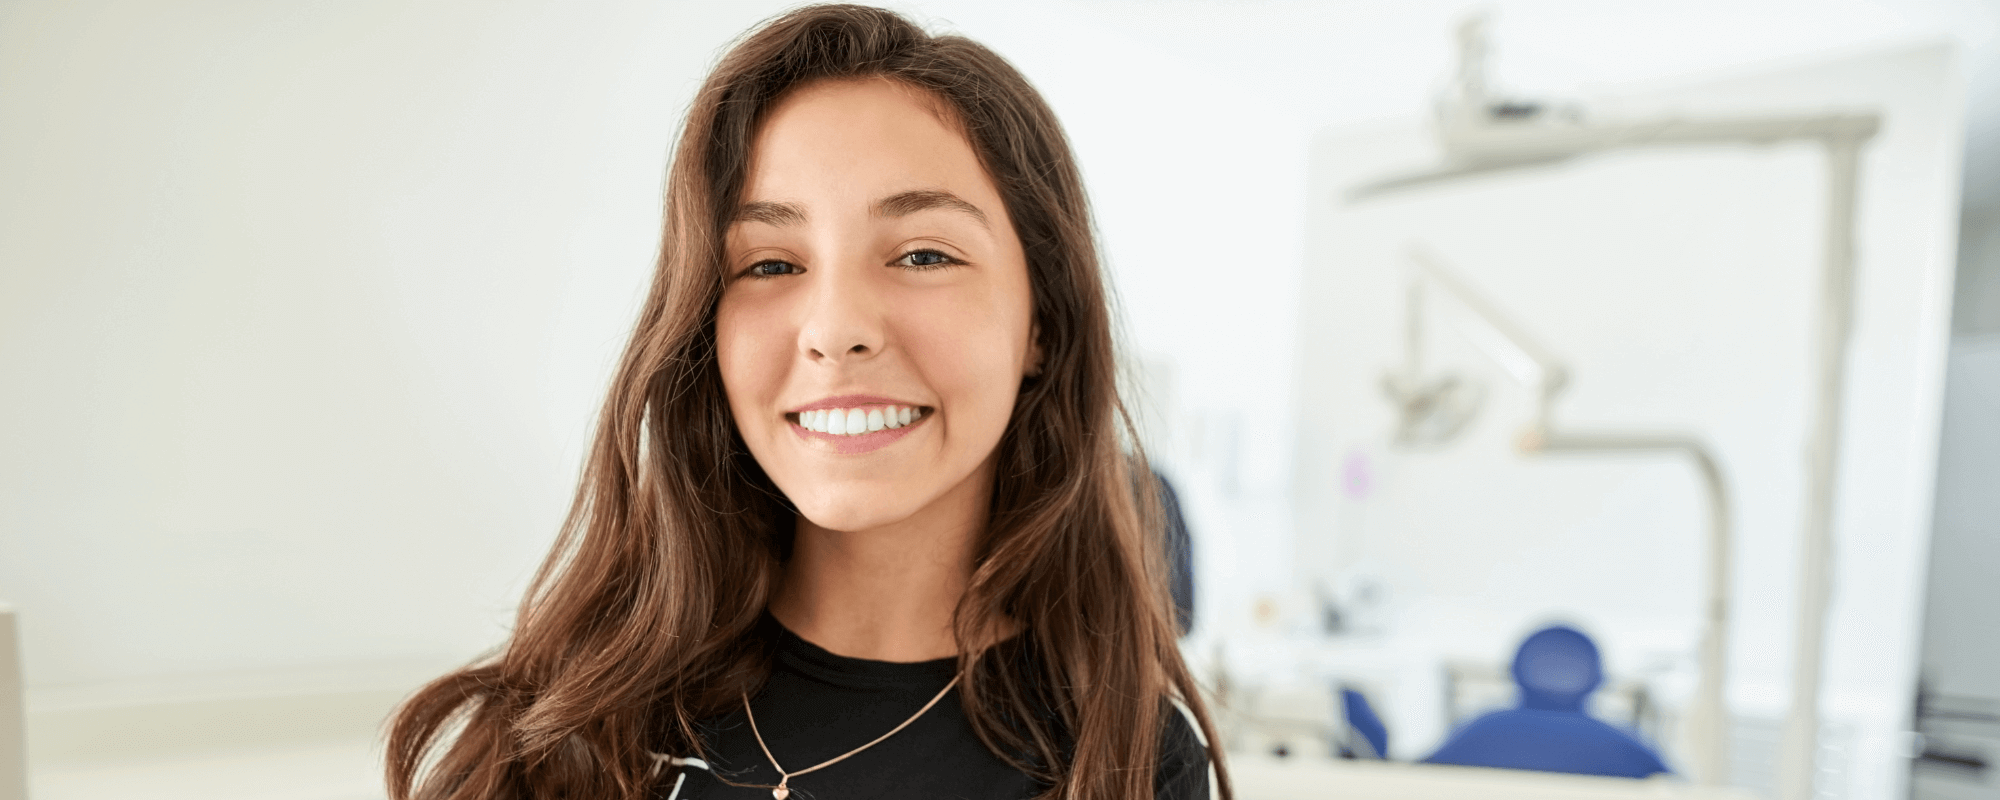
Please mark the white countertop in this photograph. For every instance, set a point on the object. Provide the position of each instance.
(1261, 777)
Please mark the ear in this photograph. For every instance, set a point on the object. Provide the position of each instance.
(1034, 368)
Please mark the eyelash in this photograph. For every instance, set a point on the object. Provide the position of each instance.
(754, 270)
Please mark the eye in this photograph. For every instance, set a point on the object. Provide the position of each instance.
(772, 269)
(920, 260)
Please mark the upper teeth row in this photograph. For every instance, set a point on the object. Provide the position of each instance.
(852, 421)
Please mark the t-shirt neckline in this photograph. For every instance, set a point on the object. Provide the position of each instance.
(818, 662)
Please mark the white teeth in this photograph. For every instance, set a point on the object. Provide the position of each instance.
(854, 421)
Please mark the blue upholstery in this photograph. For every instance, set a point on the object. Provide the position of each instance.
(1362, 720)
(1556, 669)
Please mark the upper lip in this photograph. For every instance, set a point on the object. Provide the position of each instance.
(850, 401)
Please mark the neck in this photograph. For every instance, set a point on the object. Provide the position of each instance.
(887, 593)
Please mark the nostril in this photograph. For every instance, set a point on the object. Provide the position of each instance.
(859, 348)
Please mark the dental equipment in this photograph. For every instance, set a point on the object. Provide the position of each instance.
(1481, 135)
(1532, 365)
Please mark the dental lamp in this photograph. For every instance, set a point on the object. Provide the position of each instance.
(1482, 135)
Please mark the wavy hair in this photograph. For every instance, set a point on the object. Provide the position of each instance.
(640, 623)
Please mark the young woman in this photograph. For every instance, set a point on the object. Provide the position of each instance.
(857, 521)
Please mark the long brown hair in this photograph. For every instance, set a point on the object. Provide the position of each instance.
(640, 623)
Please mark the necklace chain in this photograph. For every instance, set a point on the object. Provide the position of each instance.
(782, 790)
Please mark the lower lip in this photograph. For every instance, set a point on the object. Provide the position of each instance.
(863, 443)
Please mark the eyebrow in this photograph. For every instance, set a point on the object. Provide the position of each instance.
(771, 213)
(904, 204)
(901, 204)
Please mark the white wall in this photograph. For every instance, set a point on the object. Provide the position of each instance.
(305, 311)
(305, 308)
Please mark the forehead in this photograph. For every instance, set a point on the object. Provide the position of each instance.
(862, 137)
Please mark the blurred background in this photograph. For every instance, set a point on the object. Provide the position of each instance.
(306, 310)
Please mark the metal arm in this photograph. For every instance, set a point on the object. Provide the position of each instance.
(1705, 732)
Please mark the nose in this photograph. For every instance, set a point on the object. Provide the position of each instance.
(843, 322)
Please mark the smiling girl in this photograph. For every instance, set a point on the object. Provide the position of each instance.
(857, 521)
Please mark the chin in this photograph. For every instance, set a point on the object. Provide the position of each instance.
(857, 510)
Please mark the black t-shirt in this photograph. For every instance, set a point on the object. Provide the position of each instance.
(818, 705)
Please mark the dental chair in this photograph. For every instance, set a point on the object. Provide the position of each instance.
(1364, 737)
(1556, 670)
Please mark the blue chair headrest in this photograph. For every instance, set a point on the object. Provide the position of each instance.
(1556, 668)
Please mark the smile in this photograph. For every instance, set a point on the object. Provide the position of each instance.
(858, 420)
(854, 424)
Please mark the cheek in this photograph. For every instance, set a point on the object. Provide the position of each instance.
(751, 354)
(973, 352)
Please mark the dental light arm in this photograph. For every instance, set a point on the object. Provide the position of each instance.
(1480, 134)
(1508, 344)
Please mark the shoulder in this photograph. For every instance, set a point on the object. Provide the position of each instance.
(1183, 771)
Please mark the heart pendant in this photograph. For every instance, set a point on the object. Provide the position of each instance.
(780, 793)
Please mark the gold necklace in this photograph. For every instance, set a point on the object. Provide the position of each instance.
(782, 790)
